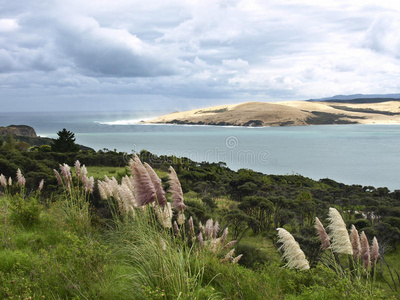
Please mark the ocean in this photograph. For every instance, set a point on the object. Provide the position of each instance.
(352, 154)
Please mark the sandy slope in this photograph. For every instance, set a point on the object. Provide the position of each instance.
(287, 114)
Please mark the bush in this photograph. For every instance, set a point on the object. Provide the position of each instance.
(252, 255)
(25, 211)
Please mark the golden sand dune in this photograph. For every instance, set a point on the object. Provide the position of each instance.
(288, 114)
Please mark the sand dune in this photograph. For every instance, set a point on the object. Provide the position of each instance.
(291, 113)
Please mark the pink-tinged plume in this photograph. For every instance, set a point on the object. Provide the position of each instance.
(144, 187)
(224, 235)
(59, 180)
(161, 200)
(355, 242)
(20, 179)
(215, 229)
(323, 236)
(77, 166)
(364, 249)
(176, 228)
(201, 240)
(176, 190)
(191, 226)
(374, 252)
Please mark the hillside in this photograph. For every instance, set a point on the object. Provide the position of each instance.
(293, 113)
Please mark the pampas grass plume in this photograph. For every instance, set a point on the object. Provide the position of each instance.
(340, 240)
(323, 236)
(374, 252)
(355, 242)
(236, 259)
(20, 179)
(365, 249)
(176, 190)
(144, 187)
(292, 252)
(201, 240)
(161, 200)
(3, 180)
(224, 235)
(41, 184)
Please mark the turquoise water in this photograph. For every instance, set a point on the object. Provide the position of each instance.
(352, 154)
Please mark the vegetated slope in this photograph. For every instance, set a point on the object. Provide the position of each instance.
(293, 113)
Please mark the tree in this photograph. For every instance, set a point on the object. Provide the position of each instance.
(65, 142)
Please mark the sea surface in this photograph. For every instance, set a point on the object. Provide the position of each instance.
(352, 154)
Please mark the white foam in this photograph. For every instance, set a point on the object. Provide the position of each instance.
(122, 122)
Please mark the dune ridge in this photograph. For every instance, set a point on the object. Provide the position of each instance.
(291, 113)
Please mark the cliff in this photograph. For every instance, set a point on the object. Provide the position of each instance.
(18, 130)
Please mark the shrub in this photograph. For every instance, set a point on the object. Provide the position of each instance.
(252, 255)
(25, 211)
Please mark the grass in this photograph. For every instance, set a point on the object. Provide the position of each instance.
(57, 253)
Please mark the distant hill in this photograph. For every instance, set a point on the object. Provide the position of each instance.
(360, 98)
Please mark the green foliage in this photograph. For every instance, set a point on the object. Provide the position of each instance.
(252, 255)
(24, 211)
(65, 142)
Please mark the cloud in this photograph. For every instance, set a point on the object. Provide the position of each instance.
(8, 25)
(100, 51)
(383, 34)
(212, 50)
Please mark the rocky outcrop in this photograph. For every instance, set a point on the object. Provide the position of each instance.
(18, 130)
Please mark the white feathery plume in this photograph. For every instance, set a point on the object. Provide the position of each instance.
(236, 259)
(9, 181)
(3, 180)
(209, 229)
(102, 190)
(89, 184)
(340, 240)
(228, 245)
(215, 244)
(292, 252)
(164, 215)
(181, 218)
(41, 184)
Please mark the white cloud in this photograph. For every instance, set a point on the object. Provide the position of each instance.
(225, 50)
(8, 25)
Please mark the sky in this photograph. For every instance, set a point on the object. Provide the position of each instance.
(180, 54)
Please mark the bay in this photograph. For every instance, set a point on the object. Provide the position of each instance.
(352, 154)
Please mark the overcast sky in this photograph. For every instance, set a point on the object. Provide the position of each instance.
(128, 54)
